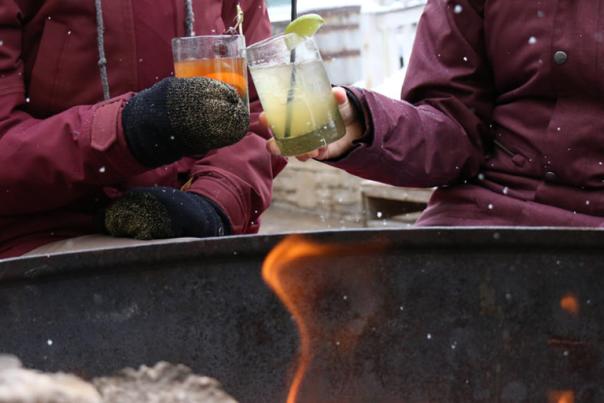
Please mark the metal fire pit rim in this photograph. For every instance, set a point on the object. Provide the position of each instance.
(102, 260)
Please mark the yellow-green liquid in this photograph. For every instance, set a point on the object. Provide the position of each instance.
(303, 116)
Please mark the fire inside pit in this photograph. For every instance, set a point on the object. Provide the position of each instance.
(350, 332)
(415, 316)
(332, 309)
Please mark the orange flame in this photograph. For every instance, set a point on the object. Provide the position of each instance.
(570, 304)
(561, 396)
(303, 288)
(291, 249)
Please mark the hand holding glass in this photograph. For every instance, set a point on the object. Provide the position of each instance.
(295, 92)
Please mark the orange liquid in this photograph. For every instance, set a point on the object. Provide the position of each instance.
(229, 70)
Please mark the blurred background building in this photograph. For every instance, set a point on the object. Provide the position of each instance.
(367, 44)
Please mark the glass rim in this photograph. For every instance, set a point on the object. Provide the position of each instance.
(187, 38)
(275, 38)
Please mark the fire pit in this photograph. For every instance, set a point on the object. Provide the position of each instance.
(418, 315)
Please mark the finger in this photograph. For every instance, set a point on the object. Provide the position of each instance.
(347, 112)
(308, 156)
(340, 95)
(272, 147)
(323, 153)
(263, 120)
(303, 158)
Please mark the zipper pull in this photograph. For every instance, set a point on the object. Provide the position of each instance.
(239, 19)
(237, 29)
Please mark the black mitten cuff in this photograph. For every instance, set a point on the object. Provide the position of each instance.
(147, 127)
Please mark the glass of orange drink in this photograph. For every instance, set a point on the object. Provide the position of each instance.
(221, 57)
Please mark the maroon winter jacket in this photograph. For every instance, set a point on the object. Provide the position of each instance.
(63, 155)
(503, 110)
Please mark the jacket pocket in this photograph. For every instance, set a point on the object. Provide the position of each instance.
(45, 73)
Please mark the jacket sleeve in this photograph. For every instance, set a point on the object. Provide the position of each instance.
(438, 133)
(239, 178)
(49, 163)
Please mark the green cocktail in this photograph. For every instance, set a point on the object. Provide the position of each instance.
(295, 92)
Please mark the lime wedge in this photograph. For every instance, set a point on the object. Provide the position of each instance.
(305, 25)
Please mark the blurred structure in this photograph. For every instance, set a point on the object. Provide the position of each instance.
(340, 41)
(366, 44)
(388, 33)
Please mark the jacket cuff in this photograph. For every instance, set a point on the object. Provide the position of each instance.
(107, 136)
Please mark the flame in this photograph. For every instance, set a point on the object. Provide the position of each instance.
(306, 284)
(570, 304)
(561, 396)
(291, 249)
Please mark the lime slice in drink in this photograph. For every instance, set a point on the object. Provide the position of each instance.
(305, 25)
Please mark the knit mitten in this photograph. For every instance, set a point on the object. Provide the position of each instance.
(162, 212)
(183, 117)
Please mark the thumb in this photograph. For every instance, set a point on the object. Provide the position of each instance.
(347, 112)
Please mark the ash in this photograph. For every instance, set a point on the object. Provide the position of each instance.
(19, 385)
(162, 383)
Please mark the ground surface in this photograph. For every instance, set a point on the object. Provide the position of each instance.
(278, 220)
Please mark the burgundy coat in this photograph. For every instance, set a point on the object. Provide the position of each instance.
(62, 151)
(503, 111)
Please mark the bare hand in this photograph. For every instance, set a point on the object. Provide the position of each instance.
(336, 149)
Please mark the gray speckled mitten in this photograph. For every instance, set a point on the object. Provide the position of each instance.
(183, 117)
(163, 212)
